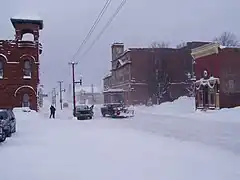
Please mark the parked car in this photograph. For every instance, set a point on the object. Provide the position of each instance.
(84, 111)
(116, 110)
(2, 132)
(7, 123)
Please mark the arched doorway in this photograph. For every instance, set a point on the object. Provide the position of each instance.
(26, 96)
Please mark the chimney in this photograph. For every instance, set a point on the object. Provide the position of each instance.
(117, 49)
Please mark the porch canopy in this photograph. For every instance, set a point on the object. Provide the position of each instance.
(210, 82)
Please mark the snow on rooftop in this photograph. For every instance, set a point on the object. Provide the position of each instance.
(118, 43)
(223, 47)
(27, 17)
(108, 75)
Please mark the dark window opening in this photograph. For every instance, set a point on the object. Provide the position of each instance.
(26, 99)
(1, 69)
(27, 69)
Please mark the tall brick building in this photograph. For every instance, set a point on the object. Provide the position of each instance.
(140, 74)
(173, 72)
(19, 65)
(125, 82)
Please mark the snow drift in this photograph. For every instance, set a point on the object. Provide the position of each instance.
(185, 107)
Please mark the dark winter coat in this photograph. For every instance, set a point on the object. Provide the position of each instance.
(52, 109)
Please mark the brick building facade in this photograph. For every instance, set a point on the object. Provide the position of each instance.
(125, 83)
(140, 74)
(19, 65)
(174, 72)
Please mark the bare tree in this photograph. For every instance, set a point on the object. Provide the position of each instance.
(227, 39)
(191, 90)
(163, 86)
(159, 44)
(181, 45)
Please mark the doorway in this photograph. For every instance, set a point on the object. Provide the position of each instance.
(25, 100)
(207, 94)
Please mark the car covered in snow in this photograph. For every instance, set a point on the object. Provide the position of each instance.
(84, 111)
(115, 110)
(7, 123)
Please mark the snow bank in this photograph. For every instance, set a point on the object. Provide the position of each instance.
(185, 107)
(25, 113)
(180, 106)
(225, 115)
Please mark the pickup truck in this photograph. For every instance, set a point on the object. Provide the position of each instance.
(116, 110)
(84, 111)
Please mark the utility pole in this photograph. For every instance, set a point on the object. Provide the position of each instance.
(92, 89)
(60, 93)
(73, 86)
(54, 95)
(52, 98)
(69, 92)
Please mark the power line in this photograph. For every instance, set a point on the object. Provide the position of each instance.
(105, 27)
(100, 15)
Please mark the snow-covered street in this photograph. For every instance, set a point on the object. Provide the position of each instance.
(113, 149)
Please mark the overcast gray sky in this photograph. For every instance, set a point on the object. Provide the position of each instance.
(66, 23)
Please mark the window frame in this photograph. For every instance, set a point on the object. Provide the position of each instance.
(27, 75)
(1, 69)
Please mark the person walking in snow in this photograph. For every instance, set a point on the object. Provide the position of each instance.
(52, 112)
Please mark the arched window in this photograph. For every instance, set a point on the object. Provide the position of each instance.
(27, 37)
(1, 69)
(27, 69)
(25, 100)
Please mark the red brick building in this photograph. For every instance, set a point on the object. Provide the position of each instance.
(218, 76)
(140, 74)
(19, 66)
(172, 72)
(125, 83)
